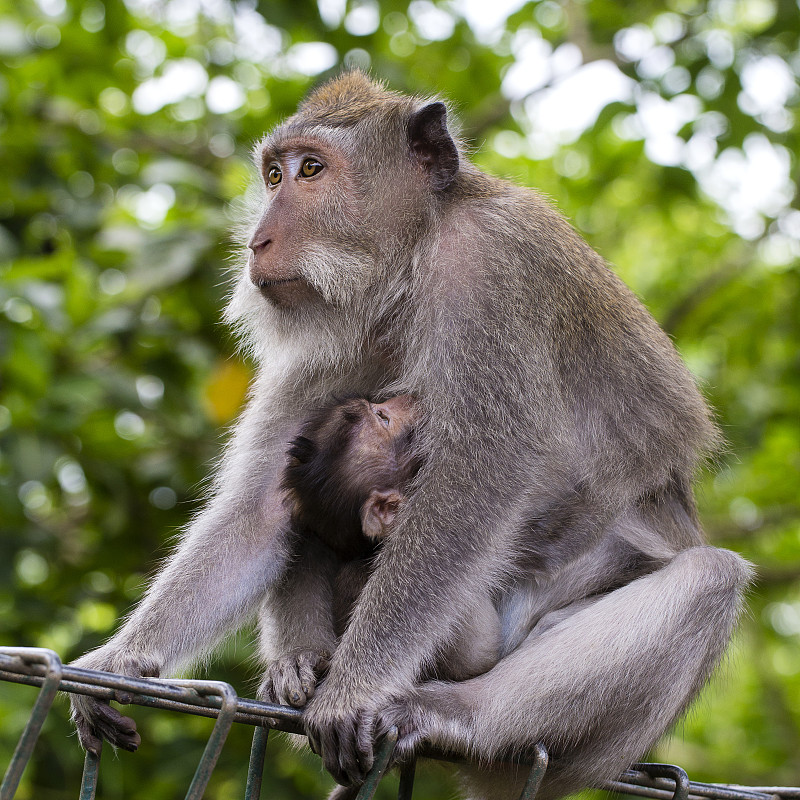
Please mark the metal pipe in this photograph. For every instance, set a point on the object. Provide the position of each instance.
(50, 683)
(255, 769)
(42, 668)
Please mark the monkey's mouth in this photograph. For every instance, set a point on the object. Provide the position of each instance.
(280, 282)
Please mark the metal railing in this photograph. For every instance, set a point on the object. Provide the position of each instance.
(43, 668)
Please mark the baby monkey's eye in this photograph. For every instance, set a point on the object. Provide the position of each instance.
(310, 166)
(383, 417)
(274, 175)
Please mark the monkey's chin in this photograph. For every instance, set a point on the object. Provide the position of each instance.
(289, 292)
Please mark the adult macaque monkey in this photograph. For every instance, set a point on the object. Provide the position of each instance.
(562, 434)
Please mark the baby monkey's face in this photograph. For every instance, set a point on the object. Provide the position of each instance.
(384, 427)
(380, 461)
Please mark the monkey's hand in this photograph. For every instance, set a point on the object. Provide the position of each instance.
(345, 740)
(292, 679)
(95, 719)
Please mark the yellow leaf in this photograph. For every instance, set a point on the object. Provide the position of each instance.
(226, 390)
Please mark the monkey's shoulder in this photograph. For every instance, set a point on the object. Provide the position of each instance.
(505, 239)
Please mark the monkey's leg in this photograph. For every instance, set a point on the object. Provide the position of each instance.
(598, 688)
(297, 636)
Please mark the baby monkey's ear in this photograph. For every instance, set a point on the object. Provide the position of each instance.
(378, 512)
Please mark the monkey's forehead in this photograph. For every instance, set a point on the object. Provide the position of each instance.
(297, 136)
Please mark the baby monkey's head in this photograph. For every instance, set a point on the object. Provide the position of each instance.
(349, 468)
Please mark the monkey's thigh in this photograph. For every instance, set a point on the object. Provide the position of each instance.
(601, 685)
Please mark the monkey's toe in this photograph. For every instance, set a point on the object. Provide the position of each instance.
(109, 724)
(89, 740)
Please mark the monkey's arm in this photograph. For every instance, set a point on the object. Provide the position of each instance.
(458, 532)
(297, 636)
(231, 552)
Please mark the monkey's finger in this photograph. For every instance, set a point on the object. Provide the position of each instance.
(314, 741)
(291, 690)
(346, 761)
(339, 763)
(364, 752)
(308, 679)
(116, 728)
(115, 719)
(322, 663)
(328, 747)
(127, 741)
(266, 693)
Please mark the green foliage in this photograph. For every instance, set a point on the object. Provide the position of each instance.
(124, 138)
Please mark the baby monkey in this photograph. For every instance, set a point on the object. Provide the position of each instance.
(347, 476)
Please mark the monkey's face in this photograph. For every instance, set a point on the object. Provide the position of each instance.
(379, 461)
(310, 244)
(380, 444)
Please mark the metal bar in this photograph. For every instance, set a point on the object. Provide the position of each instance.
(406, 788)
(623, 787)
(91, 770)
(154, 693)
(709, 791)
(218, 736)
(42, 668)
(770, 791)
(379, 766)
(642, 785)
(102, 684)
(671, 772)
(535, 776)
(47, 694)
(255, 770)
(721, 792)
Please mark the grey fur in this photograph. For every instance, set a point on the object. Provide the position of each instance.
(563, 428)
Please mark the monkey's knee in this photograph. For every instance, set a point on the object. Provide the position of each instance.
(715, 569)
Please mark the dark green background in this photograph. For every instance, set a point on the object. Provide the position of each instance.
(117, 380)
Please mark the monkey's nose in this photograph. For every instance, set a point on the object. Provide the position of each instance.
(256, 244)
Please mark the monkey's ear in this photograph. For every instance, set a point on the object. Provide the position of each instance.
(378, 513)
(432, 145)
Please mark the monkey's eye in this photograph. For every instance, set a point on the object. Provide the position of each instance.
(383, 417)
(310, 167)
(274, 175)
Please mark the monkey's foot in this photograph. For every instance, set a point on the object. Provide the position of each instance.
(293, 678)
(435, 713)
(96, 720)
(407, 716)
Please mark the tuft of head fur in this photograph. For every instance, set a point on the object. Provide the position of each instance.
(347, 99)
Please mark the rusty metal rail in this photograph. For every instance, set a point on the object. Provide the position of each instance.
(43, 668)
